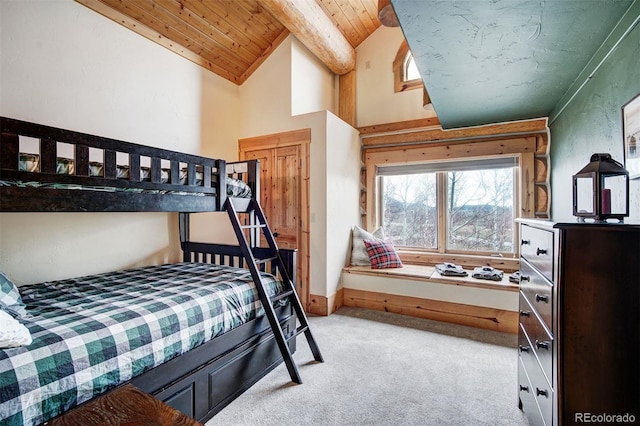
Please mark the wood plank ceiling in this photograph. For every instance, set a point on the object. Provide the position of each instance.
(229, 37)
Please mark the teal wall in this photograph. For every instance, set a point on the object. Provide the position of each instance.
(592, 121)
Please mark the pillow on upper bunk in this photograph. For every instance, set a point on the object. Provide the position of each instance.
(359, 256)
(29, 162)
(382, 254)
(12, 333)
(10, 300)
(237, 188)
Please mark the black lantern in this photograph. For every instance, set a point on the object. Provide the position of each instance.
(601, 190)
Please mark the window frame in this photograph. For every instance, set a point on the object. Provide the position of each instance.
(442, 228)
(439, 145)
(401, 83)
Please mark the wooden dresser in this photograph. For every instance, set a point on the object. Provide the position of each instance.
(579, 327)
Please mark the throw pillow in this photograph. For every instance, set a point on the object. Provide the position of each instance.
(382, 254)
(359, 256)
(12, 333)
(10, 299)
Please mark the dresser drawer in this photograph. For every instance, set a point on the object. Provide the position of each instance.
(536, 245)
(541, 391)
(538, 291)
(536, 338)
(527, 397)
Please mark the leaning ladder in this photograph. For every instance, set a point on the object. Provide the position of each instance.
(272, 255)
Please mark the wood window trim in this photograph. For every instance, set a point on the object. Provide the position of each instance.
(528, 140)
(400, 83)
(522, 147)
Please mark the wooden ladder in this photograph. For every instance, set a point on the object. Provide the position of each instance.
(259, 223)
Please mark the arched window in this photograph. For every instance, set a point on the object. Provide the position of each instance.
(410, 68)
(405, 71)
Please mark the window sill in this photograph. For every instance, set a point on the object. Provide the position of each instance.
(429, 274)
(467, 261)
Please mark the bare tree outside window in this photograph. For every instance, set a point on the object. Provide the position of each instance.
(479, 210)
(410, 210)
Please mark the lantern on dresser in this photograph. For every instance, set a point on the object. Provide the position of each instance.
(601, 190)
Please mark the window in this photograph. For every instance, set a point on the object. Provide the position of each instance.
(409, 209)
(451, 207)
(405, 70)
(410, 68)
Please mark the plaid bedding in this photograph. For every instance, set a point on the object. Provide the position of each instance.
(92, 333)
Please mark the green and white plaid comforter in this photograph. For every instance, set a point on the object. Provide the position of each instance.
(92, 333)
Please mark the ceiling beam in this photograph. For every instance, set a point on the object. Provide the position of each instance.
(308, 22)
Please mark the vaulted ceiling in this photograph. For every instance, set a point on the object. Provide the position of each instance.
(503, 60)
(482, 61)
(233, 37)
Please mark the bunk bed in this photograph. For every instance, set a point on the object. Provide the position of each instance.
(46, 169)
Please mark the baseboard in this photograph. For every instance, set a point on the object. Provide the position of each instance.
(324, 306)
(474, 316)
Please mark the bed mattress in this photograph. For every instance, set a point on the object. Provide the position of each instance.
(93, 333)
(235, 188)
(65, 166)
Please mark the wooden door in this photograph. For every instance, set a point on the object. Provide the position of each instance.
(285, 197)
(280, 191)
(266, 187)
(283, 171)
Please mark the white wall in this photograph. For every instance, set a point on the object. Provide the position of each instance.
(343, 195)
(335, 147)
(333, 199)
(266, 95)
(290, 82)
(64, 65)
(312, 83)
(376, 101)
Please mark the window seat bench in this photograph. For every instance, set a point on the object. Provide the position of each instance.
(420, 291)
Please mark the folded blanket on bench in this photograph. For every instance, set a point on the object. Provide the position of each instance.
(451, 270)
(487, 273)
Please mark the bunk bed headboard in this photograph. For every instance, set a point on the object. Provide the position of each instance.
(44, 168)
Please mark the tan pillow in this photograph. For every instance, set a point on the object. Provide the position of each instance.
(359, 255)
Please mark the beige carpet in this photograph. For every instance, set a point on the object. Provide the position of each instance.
(388, 369)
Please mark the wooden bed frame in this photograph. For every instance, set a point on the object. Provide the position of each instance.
(211, 191)
(204, 380)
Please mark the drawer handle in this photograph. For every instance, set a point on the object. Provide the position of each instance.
(540, 392)
(542, 345)
(543, 298)
(540, 251)
(524, 388)
(525, 278)
(525, 242)
(525, 313)
(524, 348)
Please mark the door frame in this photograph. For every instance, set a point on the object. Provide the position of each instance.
(301, 137)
